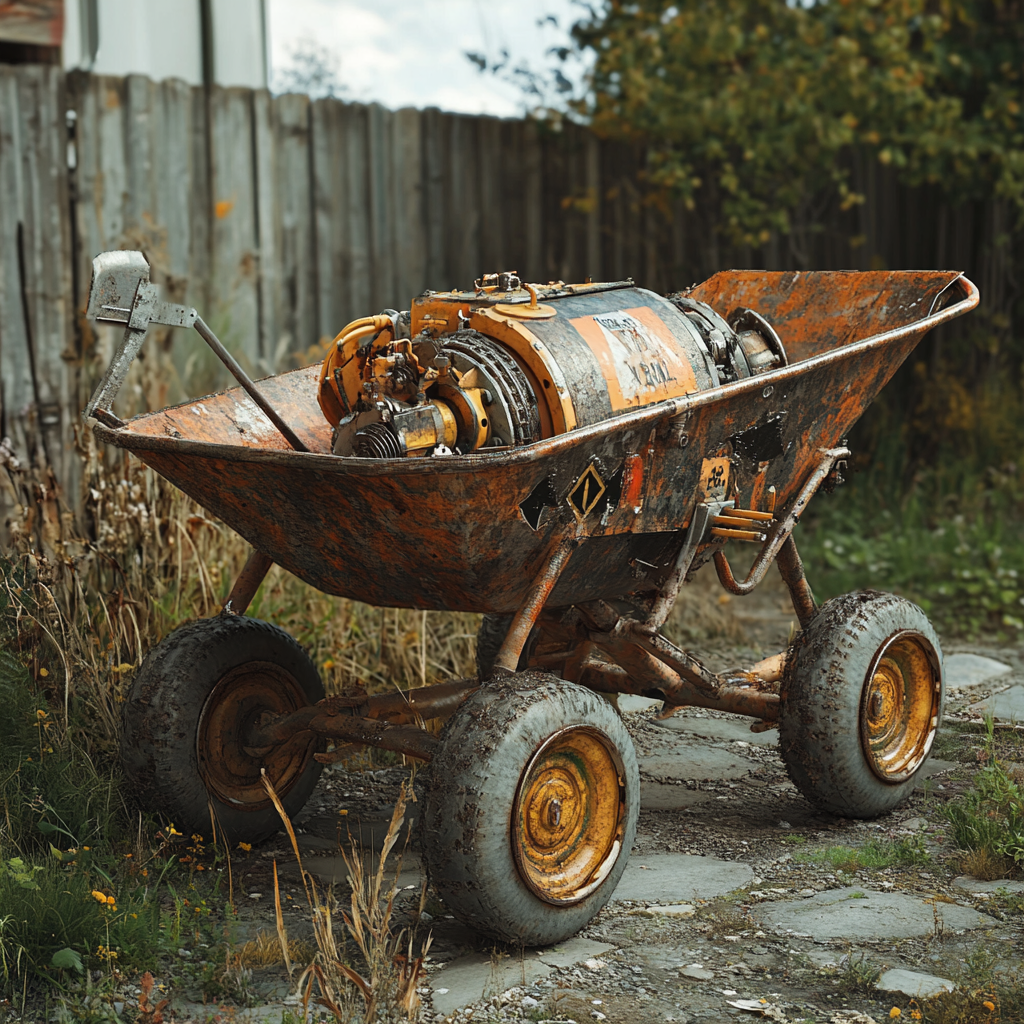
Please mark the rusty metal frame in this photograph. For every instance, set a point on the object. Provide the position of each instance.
(526, 618)
(783, 528)
(382, 720)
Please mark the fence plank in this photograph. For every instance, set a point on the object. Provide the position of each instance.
(383, 289)
(234, 304)
(356, 231)
(330, 201)
(297, 276)
(267, 286)
(47, 262)
(17, 394)
(432, 141)
(407, 192)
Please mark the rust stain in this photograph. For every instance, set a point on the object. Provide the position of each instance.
(223, 207)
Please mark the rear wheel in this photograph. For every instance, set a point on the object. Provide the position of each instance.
(531, 809)
(862, 699)
(196, 698)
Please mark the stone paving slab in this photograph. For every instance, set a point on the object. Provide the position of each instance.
(663, 796)
(696, 763)
(679, 877)
(475, 976)
(910, 983)
(963, 671)
(936, 766)
(858, 914)
(627, 702)
(1007, 706)
(977, 885)
(729, 729)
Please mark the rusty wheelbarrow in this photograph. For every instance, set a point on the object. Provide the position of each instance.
(561, 458)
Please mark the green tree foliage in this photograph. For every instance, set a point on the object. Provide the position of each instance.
(753, 106)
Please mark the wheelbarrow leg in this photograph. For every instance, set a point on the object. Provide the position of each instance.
(791, 569)
(526, 618)
(249, 579)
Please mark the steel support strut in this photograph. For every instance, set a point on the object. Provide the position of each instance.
(253, 573)
(526, 618)
(378, 721)
(647, 663)
(791, 569)
(783, 528)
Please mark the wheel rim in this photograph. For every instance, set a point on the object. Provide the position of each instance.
(900, 705)
(235, 706)
(570, 815)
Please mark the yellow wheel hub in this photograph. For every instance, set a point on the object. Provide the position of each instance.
(569, 816)
(900, 706)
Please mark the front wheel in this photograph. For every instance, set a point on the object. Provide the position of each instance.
(861, 701)
(198, 695)
(531, 809)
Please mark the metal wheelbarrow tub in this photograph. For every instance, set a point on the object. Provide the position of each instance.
(451, 534)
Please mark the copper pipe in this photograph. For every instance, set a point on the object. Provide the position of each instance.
(249, 579)
(519, 631)
(791, 569)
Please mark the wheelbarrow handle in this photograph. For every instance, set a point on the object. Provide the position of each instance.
(121, 293)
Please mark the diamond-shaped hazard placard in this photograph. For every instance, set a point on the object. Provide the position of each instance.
(586, 492)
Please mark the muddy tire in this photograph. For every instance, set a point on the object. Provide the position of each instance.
(862, 699)
(489, 638)
(553, 761)
(190, 707)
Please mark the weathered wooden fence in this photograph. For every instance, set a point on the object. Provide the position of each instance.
(282, 218)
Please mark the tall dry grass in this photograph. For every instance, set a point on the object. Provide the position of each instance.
(87, 596)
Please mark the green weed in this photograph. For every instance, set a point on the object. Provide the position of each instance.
(879, 853)
(990, 817)
(951, 541)
(856, 974)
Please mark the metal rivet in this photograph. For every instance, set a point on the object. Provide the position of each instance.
(768, 391)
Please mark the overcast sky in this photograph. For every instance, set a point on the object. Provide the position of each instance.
(412, 52)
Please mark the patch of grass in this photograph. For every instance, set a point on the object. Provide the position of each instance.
(987, 821)
(856, 974)
(879, 853)
(957, 741)
(951, 541)
(387, 970)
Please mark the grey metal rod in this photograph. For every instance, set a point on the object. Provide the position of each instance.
(251, 390)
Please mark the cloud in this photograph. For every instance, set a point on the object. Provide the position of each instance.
(412, 52)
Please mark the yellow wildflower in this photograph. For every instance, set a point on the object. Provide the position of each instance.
(245, 846)
(989, 1005)
(99, 896)
(895, 1011)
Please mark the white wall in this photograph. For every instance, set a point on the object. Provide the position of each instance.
(163, 39)
(239, 43)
